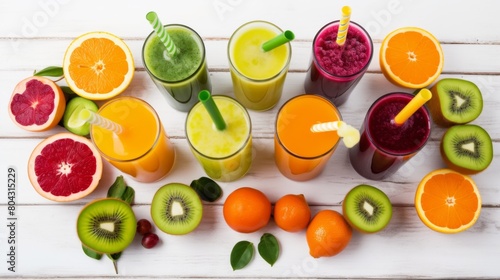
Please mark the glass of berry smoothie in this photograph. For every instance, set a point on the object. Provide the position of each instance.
(335, 70)
(385, 146)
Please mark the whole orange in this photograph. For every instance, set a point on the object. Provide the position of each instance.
(292, 213)
(247, 210)
(328, 234)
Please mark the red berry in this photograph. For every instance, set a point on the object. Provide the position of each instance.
(143, 226)
(149, 240)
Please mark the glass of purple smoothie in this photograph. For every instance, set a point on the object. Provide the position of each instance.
(384, 146)
(336, 70)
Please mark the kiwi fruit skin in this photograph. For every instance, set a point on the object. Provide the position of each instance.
(441, 101)
(374, 197)
(175, 195)
(112, 210)
(465, 165)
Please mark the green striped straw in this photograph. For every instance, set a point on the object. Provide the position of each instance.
(158, 27)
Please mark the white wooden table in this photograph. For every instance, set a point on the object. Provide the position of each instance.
(35, 34)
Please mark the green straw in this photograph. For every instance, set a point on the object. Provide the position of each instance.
(158, 27)
(279, 40)
(206, 99)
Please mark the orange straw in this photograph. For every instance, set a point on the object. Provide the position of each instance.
(343, 25)
(416, 102)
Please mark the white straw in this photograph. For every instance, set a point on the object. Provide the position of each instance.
(327, 126)
(96, 119)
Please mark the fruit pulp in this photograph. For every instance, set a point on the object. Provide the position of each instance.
(142, 150)
(181, 77)
(384, 146)
(258, 77)
(224, 155)
(335, 70)
(301, 154)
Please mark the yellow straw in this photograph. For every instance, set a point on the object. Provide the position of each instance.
(96, 119)
(343, 25)
(416, 102)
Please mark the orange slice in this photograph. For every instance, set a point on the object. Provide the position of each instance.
(447, 201)
(98, 65)
(411, 57)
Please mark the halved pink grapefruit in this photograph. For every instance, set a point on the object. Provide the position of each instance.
(65, 167)
(37, 104)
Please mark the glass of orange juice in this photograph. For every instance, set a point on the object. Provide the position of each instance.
(142, 149)
(301, 154)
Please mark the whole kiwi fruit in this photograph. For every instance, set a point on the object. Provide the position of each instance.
(467, 148)
(455, 101)
(367, 208)
(176, 209)
(107, 225)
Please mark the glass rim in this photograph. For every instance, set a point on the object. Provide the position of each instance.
(158, 131)
(244, 144)
(200, 65)
(336, 22)
(376, 145)
(336, 110)
(233, 67)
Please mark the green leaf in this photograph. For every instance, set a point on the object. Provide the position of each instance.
(269, 248)
(241, 254)
(68, 93)
(51, 71)
(117, 189)
(91, 253)
(207, 189)
(114, 257)
(128, 195)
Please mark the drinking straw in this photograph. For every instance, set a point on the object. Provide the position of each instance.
(158, 27)
(279, 40)
(350, 135)
(206, 99)
(343, 25)
(416, 102)
(96, 119)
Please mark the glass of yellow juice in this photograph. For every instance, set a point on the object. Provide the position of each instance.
(224, 155)
(258, 76)
(299, 153)
(142, 150)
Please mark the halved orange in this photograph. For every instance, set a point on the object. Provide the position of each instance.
(447, 201)
(98, 65)
(411, 57)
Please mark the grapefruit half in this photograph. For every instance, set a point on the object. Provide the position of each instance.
(37, 104)
(65, 167)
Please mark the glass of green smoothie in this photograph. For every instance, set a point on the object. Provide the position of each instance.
(180, 77)
(225, 155)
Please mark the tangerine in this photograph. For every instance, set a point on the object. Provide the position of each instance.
(411, 57)
(247, 210)
(292, 213)
(447, 201)
(328, 234)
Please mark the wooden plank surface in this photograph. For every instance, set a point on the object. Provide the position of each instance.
(35, 35)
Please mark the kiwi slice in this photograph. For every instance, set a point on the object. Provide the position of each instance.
(367, 209)
(176, 209)
(467, 148)
(455, 101)
(107, 226)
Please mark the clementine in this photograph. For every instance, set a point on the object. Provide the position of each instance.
(247, 210)
(292, 213)
(328, 234)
